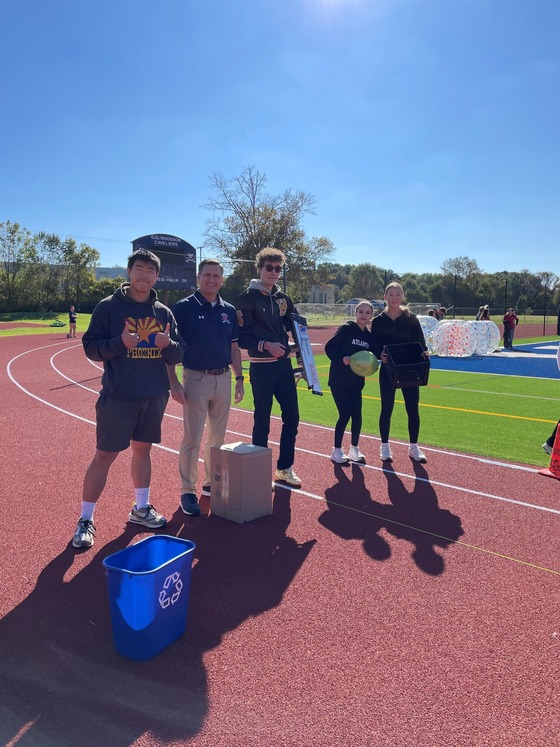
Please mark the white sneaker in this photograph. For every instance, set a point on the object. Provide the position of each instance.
(288, 475)
(355, 455)
(338, 456)
(415, 453)
(547, 448)
(386, 453)
(84, 534)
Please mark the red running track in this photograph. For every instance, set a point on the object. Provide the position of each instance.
(411, 606)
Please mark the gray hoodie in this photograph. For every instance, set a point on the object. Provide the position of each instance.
(139, 373)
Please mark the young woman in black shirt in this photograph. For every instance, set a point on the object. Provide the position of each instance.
(396, 324)
(346, 386)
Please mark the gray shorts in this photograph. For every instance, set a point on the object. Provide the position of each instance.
(120, 421)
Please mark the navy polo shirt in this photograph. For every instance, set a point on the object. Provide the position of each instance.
(207, 330)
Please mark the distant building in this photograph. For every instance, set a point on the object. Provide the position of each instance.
(110, 272)
(321, 294)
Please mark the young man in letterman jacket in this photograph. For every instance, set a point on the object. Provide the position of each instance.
(263, 313)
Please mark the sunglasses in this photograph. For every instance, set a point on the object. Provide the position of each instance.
(273, 268)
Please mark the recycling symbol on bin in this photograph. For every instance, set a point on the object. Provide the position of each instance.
(171, 591)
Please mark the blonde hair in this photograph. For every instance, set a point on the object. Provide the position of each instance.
(394, 284)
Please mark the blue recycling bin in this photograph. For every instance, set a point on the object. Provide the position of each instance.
(149, 593)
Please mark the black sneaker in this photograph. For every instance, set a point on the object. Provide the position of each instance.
(205, 490)
(189, 504)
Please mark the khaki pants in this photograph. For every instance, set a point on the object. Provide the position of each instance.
(208, 401)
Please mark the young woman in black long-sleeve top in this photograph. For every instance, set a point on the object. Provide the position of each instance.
(346, 386)
(397, 324)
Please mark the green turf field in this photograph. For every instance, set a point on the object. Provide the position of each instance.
(43, 318)
(501, 417)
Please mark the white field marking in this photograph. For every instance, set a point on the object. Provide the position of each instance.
(501, 394)
(367, 436)
(532, 356)
(72, 381)
(435, 450)
(276, 417)
(307, 451)
(491, 373)
(322, 498)
(50, 404)
(416, 478)
(34, 396)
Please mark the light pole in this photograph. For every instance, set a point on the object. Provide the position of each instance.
(454, 294)
(505, 294)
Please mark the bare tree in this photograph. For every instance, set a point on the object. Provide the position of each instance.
(246, 218)
(548, 280)
(467, 270)
(462, 267)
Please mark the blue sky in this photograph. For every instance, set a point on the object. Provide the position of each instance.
(425, 129)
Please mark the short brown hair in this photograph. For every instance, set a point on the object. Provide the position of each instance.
(210, 262)
(269, 254)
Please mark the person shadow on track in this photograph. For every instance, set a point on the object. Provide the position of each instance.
(61, 681)
(413, 516)
(351, 512)
(416, 517)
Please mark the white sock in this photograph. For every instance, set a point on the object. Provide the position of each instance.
(142, 497)
(87, 510)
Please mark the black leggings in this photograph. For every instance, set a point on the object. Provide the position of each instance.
(349, 404)
(411, 399)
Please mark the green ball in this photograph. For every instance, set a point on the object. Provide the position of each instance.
(364, 363)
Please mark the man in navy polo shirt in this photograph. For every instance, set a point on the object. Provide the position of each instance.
(208, 325)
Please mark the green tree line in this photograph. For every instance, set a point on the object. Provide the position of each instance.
(44, 272)
(523, 290)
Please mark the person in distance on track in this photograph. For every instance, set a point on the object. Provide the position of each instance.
(72, 319)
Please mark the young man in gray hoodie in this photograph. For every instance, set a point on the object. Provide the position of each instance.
(264, 315)
(135, 337)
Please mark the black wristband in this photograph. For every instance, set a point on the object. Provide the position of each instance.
(239, 378)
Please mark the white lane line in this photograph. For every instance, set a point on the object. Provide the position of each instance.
(450, 387)
(434, 450)
(480, 460)
(56, 407)
(449, 486)
(430, 482)
(492, 373)
(307, 451)
(34, 396)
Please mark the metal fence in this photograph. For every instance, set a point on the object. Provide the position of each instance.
(326, 312)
